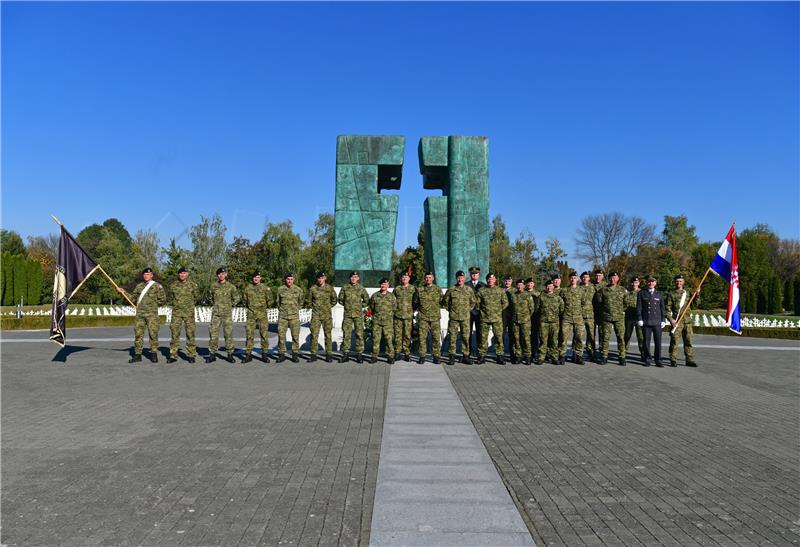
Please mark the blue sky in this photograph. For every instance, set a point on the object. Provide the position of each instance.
(157, 113)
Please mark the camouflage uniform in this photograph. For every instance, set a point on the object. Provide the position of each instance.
(354, 298)
(147, 315)
(403, 317)
(321, 300)
(522, 306)
(183, 299)
(572, 320)
(551, 306)
(383, 307)
(491, 302)
(672, 303)
(588, 318)
(611, 303)
(257, 298)
(459, 302)
(535, 331)
(224, 297)
(508, 321)
(597, 328)
(631, 323)
(289, 300)
(429, 306)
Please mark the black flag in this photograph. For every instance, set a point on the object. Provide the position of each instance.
(73, 267)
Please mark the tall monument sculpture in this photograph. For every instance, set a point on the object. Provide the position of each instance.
(365, 220)
(457, 222)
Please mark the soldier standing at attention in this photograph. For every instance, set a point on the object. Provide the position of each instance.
(459, 301)
(599, 283)
(530, 286)
(630, 317)
(551, 307)
(184, 297)
(257, 297)
(289, 300)
(588, 314)
(508, 326)
(148, 295)
(405, 294)
(475, 317)
(492, 300)
(321, 300)
(522, 307)
(354, 298)
(429, 306)
(224, 297)
(652, 317)
(676, 300)
(574, 298)
(611, 303)
(383, 305)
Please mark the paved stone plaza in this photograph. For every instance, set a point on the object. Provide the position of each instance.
(97, 451)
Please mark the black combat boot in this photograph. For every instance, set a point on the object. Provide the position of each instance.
(390, 359)
(281, 358)
(135, 359)
(466, 359)
(451, 360)
(191, 359)
(345, 357)
(247, 358)
(407, 357)
(264, 356)
(328, 358)
(691, 364)
(480, 360)
(153, 357)
(673, 363)
(313, 358)
(211, 358)
(359, 358)
(623, 362)
(230, 357)
(171, 359)
(295, 358)
(421, 359)
(436, 360)
(501, 360)
(374, 359)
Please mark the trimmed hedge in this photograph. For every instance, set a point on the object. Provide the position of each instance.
(41, 322)
(783, 334)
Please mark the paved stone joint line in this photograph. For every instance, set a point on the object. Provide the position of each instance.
(436, 483)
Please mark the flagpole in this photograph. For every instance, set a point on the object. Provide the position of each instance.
(689, 303)
(123, 293)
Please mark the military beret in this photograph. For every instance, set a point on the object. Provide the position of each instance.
(549, 282)
(505, 277)
(459, 273)
(529, 280)
(147, 270)
(183, 270)
(651, 277)
(679, 276)
(633, 278)
(490, 274)
(428, 273)
(474, 269)
(598, 271)
(353, 273)
(321, 274)
(612, 274)
(584, 273)
(383, 280)
(555, 276)
(255, 273)
(573, 274)
(405, 274)
(221, 269)
(520, 280)
(288, 274)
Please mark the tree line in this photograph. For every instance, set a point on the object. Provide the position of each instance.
(769, 266)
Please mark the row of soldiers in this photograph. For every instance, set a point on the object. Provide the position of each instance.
(530, 319)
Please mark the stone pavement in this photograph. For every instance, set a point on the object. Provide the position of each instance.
(96, 451)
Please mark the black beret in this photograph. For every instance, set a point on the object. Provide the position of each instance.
(520, 280)
(598, 271)
(549, 282)
(288, 274)
(459, 273)
(679, 276)
(633, 278)
(612, 274)
(221, 269)
(182, 270)
(556, 276)
(429, 273)
(490, 274)
(573, 274)
(147, 270)
(321, 274)
(529, 280)
(584, 273)
(255, 273)
(406, 274)
(507, 277)
(383, 280)
(353, 273)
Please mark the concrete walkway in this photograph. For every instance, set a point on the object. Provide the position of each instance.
(436, 483)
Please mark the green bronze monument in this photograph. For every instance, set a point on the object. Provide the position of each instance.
(365, 220)
(457, 222)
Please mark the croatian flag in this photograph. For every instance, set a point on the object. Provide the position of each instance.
(726, 265)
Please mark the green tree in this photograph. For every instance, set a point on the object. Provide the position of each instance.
(175, 258)
(678, 234)
(33, 289)
(44, 249)
(146, 252)
(209, 251)
(756, 248)
(412, 260)
(788, 295)
(91, 236)
(549, 263)
(278, 251)
(775, 295)
(797, 295)
(317, 255)
(524, 255)
(11, 243)
(714, 290)
(500, 254)
(242, 261)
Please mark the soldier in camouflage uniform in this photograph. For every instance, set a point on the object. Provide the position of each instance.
(321, 300)
(383, 305)
(530, 287)
(630, 317)
(492, 300)
(522, 306)
(224, 297)
(551, 306)
(184, 296)
(599, 283)
(354, 298)
(148, 296)
(406, 295)
(675, 301)
(574, 298)
(429, 308)
(508, 327)
(459, 300)
(289, 300)
(611, 303)
(588, 314)
(257, 297)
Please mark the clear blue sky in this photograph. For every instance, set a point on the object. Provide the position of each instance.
(157, 113)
